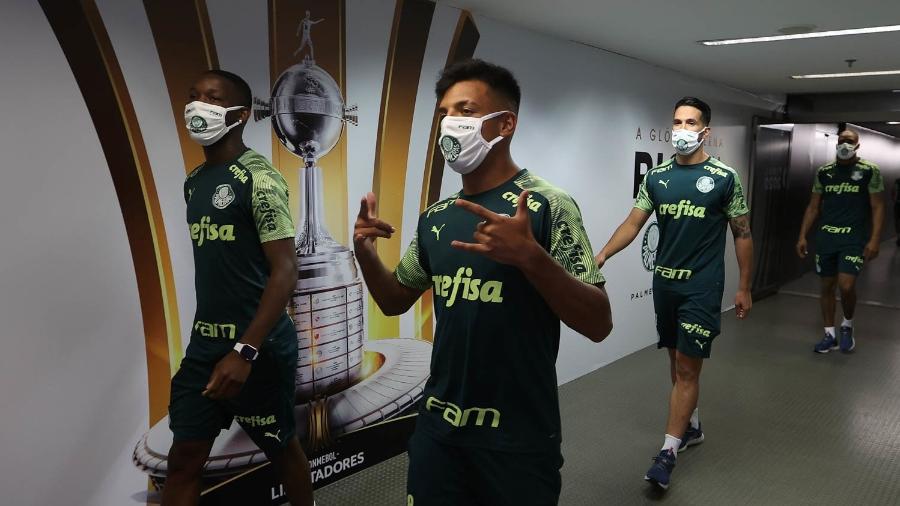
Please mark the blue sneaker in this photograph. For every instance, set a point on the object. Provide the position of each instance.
(691, 437)
(662, 467)
(847, 341)
(828, 343)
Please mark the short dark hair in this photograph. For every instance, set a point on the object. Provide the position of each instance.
(696, 103)
(496, 77)
(245, 96)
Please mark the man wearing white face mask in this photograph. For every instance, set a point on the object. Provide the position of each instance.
(242, 357)
(693, 196)
(507, 258)
(849, 193)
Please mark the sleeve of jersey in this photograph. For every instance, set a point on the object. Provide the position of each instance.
(876, 184)
(411, 272)
(643, 201)
(737, 204)
(817, 185)
(569, 243)
(271, 211)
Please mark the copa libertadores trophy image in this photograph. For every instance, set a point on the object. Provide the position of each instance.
(308, 116)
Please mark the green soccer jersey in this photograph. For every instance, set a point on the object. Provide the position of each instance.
(693, 204)
(232, 209)
(845, 193)
(493, 374)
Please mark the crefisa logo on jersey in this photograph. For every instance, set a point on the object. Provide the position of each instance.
(649, 246)
(223, 196)
(705, 184)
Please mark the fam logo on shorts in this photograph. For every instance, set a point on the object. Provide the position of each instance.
(197, 124)
(451, 148)
(649, 246)
(223, 196)
(706, 184)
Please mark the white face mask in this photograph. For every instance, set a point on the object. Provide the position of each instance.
(686, 141)
(462, 144)
(846, 151)
(206, 122)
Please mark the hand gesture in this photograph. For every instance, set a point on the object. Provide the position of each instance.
(502, 238)
(368, 227)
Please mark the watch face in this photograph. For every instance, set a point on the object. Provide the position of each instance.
(248, 352)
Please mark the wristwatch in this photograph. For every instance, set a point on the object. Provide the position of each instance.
(247, 352)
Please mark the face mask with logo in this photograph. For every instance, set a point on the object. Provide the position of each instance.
(846, 151)
(686, 141)
(462, 144)
(206, 122)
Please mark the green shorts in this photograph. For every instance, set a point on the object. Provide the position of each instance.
(264, 408)
(687, 320)
(845, 259)
(446, 475)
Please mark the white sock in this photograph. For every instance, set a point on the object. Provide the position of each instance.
(829, 331)
(695, 418)
(847, 323)
(671, 443)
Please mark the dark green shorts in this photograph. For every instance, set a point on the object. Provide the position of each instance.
(264, 408)
(845, 259)
(445, 475)
(687, 320)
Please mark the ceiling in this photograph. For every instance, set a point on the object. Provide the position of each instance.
(665, 33)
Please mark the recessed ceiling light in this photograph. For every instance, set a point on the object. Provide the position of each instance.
(809, 35)
(848, 74)
(893, 122)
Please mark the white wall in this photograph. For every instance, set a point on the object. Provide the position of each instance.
(73, 377)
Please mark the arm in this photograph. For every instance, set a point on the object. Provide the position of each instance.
(392, 297)
(622, 237)
(232, 370)
(877, 202)
(743, 248)
(581, 305)
(809, 217)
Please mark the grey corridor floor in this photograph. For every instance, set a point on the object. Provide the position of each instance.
(784, 425)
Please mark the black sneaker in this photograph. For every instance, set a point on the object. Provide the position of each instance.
(691, 437)
(847, 341)
(661, 470)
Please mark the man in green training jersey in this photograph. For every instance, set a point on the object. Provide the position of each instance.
(242, 357)
(849, 195)
(693, 196)
(507, 258)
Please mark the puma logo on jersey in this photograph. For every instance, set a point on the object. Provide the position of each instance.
(437, 231)
(699, 343)
(190, 194)
(276, 436)
(665, 183)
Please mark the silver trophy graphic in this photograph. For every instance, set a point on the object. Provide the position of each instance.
(308, 115)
